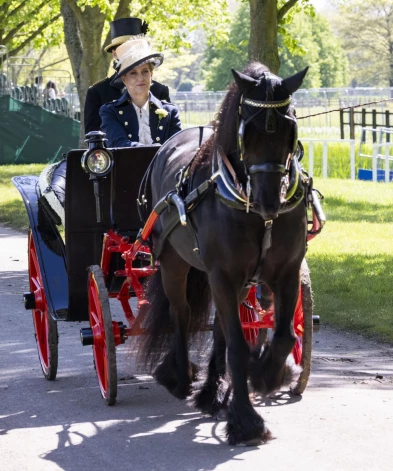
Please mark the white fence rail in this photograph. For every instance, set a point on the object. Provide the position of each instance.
(377, 157)
(325, 154)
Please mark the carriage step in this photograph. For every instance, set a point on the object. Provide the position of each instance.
(29, 300)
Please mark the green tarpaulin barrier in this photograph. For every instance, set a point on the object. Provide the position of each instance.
(30, 134)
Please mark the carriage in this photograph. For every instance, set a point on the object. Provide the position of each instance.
(106, 250)
(74, 272)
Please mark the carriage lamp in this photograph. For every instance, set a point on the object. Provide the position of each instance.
(97, 161)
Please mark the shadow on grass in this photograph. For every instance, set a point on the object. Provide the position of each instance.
(340, 209)
(354, 292)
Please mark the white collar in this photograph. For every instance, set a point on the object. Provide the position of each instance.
(145, 107)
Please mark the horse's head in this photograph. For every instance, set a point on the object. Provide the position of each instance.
(267, 135)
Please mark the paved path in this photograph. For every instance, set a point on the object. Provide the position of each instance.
(344, 421)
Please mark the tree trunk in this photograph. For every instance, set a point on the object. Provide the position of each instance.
(263, 45)
(82, 33)
(391, 67)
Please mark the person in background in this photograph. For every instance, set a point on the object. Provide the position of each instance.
(50, 90)
(138, 117)
(105, 91)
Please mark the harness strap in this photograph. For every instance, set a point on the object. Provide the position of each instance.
(233, 173)
(266, 244)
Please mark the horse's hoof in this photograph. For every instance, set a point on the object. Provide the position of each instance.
(252, 442)
(221, 415)
(256, 441)
(181, 391)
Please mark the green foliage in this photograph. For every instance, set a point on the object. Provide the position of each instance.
(185, 86)
(305, 39)
(366, 29)
(25, 23)
(219, 59)
(171, 21)
(179, 67)
(317, 47)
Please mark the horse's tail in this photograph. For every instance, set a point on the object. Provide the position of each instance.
(156, 340)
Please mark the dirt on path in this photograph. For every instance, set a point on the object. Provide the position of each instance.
(343, 421)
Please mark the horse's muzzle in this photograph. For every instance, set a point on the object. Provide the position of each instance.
(266, 213)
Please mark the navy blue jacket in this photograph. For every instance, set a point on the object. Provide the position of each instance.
(120, 122)
(103, 92)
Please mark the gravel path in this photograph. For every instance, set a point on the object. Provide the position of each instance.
(344, 421)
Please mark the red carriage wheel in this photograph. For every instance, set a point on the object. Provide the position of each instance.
(45, 327)
(248, 314)
(303, 322)
(104, 349)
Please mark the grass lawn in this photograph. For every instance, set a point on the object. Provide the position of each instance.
(12, 209)
(351, 261)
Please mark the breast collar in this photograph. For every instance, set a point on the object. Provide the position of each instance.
(230, 191)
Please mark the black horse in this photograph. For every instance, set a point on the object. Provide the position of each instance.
(240, 230)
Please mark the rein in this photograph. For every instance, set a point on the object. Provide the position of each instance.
(345, 108)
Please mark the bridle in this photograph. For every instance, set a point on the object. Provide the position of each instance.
(269, 127)
(271, 105)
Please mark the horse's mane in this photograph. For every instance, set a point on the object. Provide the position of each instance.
(226, 121)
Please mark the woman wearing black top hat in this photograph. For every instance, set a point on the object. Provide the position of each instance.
(103, 92)
(138, 117)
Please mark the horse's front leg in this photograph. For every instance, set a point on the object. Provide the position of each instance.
(269, 371)
(244, 424)
(213, 396)
(175, 372)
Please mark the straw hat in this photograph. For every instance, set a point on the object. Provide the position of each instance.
(134, 53)
(124, 29)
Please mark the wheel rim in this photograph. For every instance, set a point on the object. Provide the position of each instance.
(103, 343)
(40, 312)
(298, 321)
(248, 314)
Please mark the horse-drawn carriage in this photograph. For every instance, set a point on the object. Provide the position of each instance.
(104, 253)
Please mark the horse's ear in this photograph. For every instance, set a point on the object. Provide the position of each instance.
(293, 83)
(244, 82)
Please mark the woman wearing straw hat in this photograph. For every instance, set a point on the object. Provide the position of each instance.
(138, 117)
(121, 30)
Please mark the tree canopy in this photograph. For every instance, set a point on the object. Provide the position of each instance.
(307, 41)
(366, 28)
(23, 22)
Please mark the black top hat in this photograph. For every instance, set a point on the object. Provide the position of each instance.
(124, 29)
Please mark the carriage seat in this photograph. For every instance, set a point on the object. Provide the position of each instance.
(52, 184)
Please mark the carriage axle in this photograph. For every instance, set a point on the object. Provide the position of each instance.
(94, 336)
(29, 300)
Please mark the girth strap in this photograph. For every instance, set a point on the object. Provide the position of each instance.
(266, 244)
